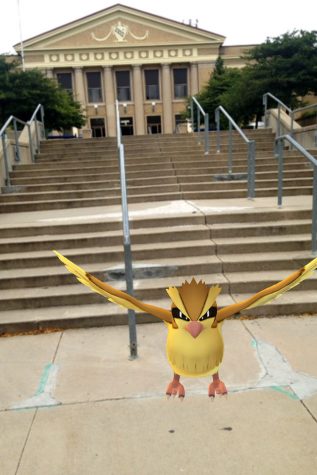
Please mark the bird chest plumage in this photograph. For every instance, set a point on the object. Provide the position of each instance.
(198, 356)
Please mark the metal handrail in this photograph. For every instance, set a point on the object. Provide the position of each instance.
(280, 104)
(200, 110)
(126, 236)
(3, 135)
(251, 149)
(279, 148)
(40, 109)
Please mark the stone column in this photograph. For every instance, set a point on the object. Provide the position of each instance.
(194, 86)
(109, 95)
(167, 99)
(80, 86)
(138, 100)
(49, 73)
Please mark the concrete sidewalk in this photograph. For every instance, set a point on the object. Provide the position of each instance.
(72, 403)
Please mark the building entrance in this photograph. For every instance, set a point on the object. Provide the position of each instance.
(97, 126)
(126, 125)
(154, 124)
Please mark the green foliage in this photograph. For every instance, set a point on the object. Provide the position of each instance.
(286, 66)
(21, 92)
(219, 83)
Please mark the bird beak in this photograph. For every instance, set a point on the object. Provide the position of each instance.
(194, 328)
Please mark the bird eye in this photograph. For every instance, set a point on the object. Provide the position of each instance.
(178, 314)
(212, 312)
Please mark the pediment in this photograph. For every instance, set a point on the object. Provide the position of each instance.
(120, 26)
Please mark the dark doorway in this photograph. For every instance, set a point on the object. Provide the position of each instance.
(98, 127)
(126, 126)
(154, 124)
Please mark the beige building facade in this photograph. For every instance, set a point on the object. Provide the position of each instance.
(149, 63)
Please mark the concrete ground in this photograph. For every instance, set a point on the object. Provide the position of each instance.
(153, 210)
(72, 403)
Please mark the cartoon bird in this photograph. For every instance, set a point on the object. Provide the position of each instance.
(194, 340)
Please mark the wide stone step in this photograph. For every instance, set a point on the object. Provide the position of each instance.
(150, 189)
(107, 314)
(155, 173)
(24, 187)
(76, 294)
(170, 196)
(149, 269)
(108, 238)
(108, 163)
(226, 219)
(144, 251)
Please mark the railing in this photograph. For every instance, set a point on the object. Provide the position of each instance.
(291, 113)
(200, 111)
(280, 106)
(32, 123)
(250, 144)
(126, 237)
(279, 146)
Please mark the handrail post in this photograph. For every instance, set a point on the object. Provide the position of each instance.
(16, 139)
(206, 134)
(30, 141)
(37, 135)
(126, 238)
(217, 117)
(192, 114)
(42, 120)
(127, 253)
(230, 150)
(198, 124)
(280, 172)
(251, 169)
(279, 120)
(6, 161)
(265, 110)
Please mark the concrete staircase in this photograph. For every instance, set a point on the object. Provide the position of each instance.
(238, 246)
(82, 173)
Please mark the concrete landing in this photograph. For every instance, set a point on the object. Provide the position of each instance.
(72, 403)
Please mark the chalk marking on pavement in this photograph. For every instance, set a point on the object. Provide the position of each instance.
(277, 373)
(43, 396)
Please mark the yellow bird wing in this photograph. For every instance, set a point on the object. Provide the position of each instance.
(112, 294)
(270, 293)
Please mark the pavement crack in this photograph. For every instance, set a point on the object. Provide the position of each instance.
(309, 411)
(57, 347)
(26, 441)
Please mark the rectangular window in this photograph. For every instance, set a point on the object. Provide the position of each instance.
(180, 83)
(123, 86)
(94, 87)
(152, 88)
(65, 81)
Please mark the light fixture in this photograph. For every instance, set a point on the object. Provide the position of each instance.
(96, 108)
(153, 106)
(125, 106)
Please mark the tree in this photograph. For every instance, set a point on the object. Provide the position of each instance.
(286, 66)
(221, 80)
(22, 91)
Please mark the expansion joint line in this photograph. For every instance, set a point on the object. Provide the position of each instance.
(26, 441)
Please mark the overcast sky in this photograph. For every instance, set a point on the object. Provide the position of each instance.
(240, 21)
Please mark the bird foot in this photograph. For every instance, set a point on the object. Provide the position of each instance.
(175, 388)
(217, 387)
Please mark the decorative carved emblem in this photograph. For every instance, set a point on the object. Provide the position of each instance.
(120, 32)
